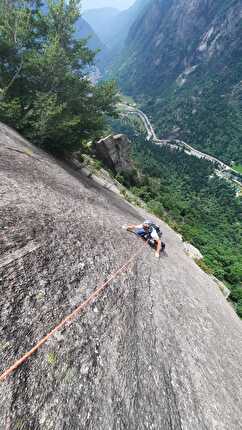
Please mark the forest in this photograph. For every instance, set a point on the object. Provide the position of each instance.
(185, 192)
(45, 90)
(208, 119)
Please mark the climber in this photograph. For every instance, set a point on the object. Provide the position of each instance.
(150, 232)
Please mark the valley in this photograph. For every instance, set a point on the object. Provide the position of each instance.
(182, 63)
(222, 169)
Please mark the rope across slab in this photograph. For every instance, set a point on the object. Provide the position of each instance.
(73, 315)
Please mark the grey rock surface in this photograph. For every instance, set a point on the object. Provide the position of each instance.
(192, 251)
(160, 349)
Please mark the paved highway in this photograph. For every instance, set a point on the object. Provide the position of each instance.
(180, 144)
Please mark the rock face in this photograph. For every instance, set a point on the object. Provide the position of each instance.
(192, 251)
(183, 59)
(114, 151)
(160, 349)
(196, 32)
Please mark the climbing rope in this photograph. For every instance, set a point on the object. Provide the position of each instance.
(69, 318)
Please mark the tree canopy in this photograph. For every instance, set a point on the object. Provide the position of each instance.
(45, 89)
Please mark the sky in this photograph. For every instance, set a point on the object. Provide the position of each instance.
(118, 4)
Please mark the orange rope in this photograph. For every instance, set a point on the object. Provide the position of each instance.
(70, 317)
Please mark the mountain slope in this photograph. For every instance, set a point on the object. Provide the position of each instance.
(118, 4)
(161, 348)
(103, 21)
(113, 27)
(183, 60)
(83, 31)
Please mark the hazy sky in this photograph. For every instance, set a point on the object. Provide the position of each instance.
(94, 4)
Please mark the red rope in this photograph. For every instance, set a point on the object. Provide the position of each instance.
(69, 318)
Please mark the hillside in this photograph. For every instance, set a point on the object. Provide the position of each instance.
(182, 61)
(161, 348)
(84, 31)
(103, 21)
(113, 26)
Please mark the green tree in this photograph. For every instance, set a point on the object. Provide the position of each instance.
(45, 90)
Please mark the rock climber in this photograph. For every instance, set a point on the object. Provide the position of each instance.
(150, 232)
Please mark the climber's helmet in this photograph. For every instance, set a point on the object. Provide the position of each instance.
(147, 224)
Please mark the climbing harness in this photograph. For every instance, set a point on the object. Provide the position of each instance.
(69, 318)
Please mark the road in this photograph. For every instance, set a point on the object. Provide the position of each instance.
(160, 349)
(224, 169)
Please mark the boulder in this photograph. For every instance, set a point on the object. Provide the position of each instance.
(114, 152)
(192, 251)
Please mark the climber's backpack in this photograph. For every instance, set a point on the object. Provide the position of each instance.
(157, 229)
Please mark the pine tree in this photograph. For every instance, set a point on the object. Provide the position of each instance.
(45, 90)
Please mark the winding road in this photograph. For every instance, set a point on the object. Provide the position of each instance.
(223, 169)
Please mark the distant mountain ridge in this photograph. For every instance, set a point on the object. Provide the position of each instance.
(83, 31)
(94, 4)
(111, 25)
(183, 59)
(102, 20)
